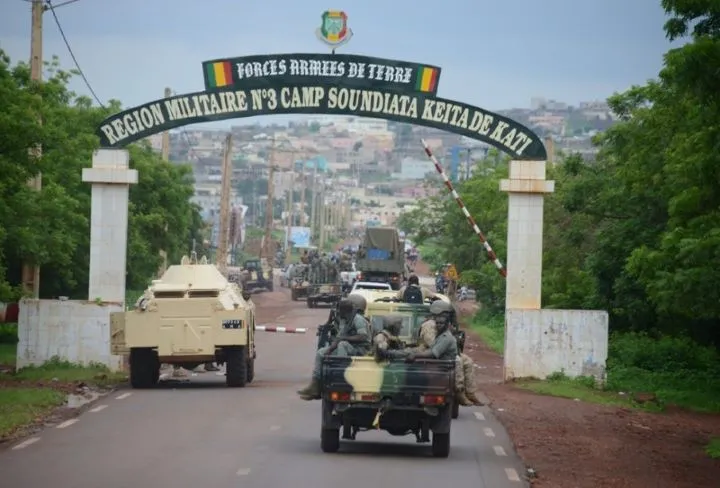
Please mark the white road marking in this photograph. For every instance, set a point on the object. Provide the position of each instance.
(499, 451)
(479, 415)
(243, 472)
(274, 427)
(26, 443)
(512, 474)
(123, 396)
(98, 408)
(67, 423)
(489, 432)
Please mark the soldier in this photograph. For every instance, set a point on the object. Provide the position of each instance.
(433, 343)
(413, 292)
(387, 339)
(353, 340)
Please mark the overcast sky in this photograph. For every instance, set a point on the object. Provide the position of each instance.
(494, 54)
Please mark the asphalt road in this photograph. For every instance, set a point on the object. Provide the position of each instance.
(196, 432)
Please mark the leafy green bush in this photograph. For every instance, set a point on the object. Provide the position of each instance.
(8, 334)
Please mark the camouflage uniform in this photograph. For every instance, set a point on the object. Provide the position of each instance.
(358, 325)
(387, 338)
(464, 369)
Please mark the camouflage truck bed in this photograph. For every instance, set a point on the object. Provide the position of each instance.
(359, 393)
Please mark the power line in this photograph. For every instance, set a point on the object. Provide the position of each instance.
(67, 44)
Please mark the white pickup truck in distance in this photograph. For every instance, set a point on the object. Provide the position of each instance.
(371, 285)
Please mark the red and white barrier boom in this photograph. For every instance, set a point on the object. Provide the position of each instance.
(493, 257)
(284, 330)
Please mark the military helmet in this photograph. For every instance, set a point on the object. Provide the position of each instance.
(345, 306)
(358, 302)
(439, 306)
(393, 323)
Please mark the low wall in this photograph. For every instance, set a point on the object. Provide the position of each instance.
(75, 331)
(541, 342)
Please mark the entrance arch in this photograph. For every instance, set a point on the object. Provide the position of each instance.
(333, 84)
(324, 84)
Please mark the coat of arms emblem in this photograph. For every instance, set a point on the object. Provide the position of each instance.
(334, 30)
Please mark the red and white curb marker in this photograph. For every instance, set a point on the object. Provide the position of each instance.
(493, 257)
(285, 330)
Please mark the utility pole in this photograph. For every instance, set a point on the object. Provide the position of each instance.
(166, 134)
(224, 226)
(31, 272)
(265, 252)
(165, 151)
(313, 204)
(290, 206)
(303, 190)
(323, 216)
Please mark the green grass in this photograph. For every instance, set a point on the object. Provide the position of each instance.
(713, 448)
(491, 329)
(580, 388)
(67, 372)
(7, 354)
(22, 406)
(676, 370)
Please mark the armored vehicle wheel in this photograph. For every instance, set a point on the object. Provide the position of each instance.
(250, 370)
(293, 295)
(330, 440)
(441, 445)
(144, 367)
(236, 366)
(455, 409)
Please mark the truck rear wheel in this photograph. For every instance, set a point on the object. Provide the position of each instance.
(144, 367)
(293, 295)
(330, 440)
(455, 409)
(441, 445)
(236, 366)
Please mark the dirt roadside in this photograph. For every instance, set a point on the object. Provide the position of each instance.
(572, 444)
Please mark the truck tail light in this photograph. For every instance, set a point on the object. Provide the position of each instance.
(432, 400)
(338, 396)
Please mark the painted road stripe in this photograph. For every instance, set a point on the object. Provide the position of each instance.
(26, 443)
(479, 415)
(67, 423)
(512, 474)
(243, 472)
(489, 432)
(98, 408)
(123, 396)
(499, 451)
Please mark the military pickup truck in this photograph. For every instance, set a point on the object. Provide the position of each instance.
(260, 275)
(360, 393)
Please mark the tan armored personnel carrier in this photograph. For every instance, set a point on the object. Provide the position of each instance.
(190, 316)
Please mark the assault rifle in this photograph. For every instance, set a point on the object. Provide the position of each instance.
(328, 331)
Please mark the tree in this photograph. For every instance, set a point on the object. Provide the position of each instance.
(51, 228)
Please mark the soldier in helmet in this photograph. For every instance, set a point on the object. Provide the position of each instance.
(353, 339)
(436, 341)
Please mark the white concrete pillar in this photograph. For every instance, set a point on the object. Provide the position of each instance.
(111, 178)
(526, 188)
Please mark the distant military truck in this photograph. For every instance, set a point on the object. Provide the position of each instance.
(299, 283)
(260, 275)
(381, 257)
(192, 315)
(361, 394)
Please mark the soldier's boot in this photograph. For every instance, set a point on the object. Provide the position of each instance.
(462, 399)
(469, 370)
(310, 392)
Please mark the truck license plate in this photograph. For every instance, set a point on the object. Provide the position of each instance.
(232, 324)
